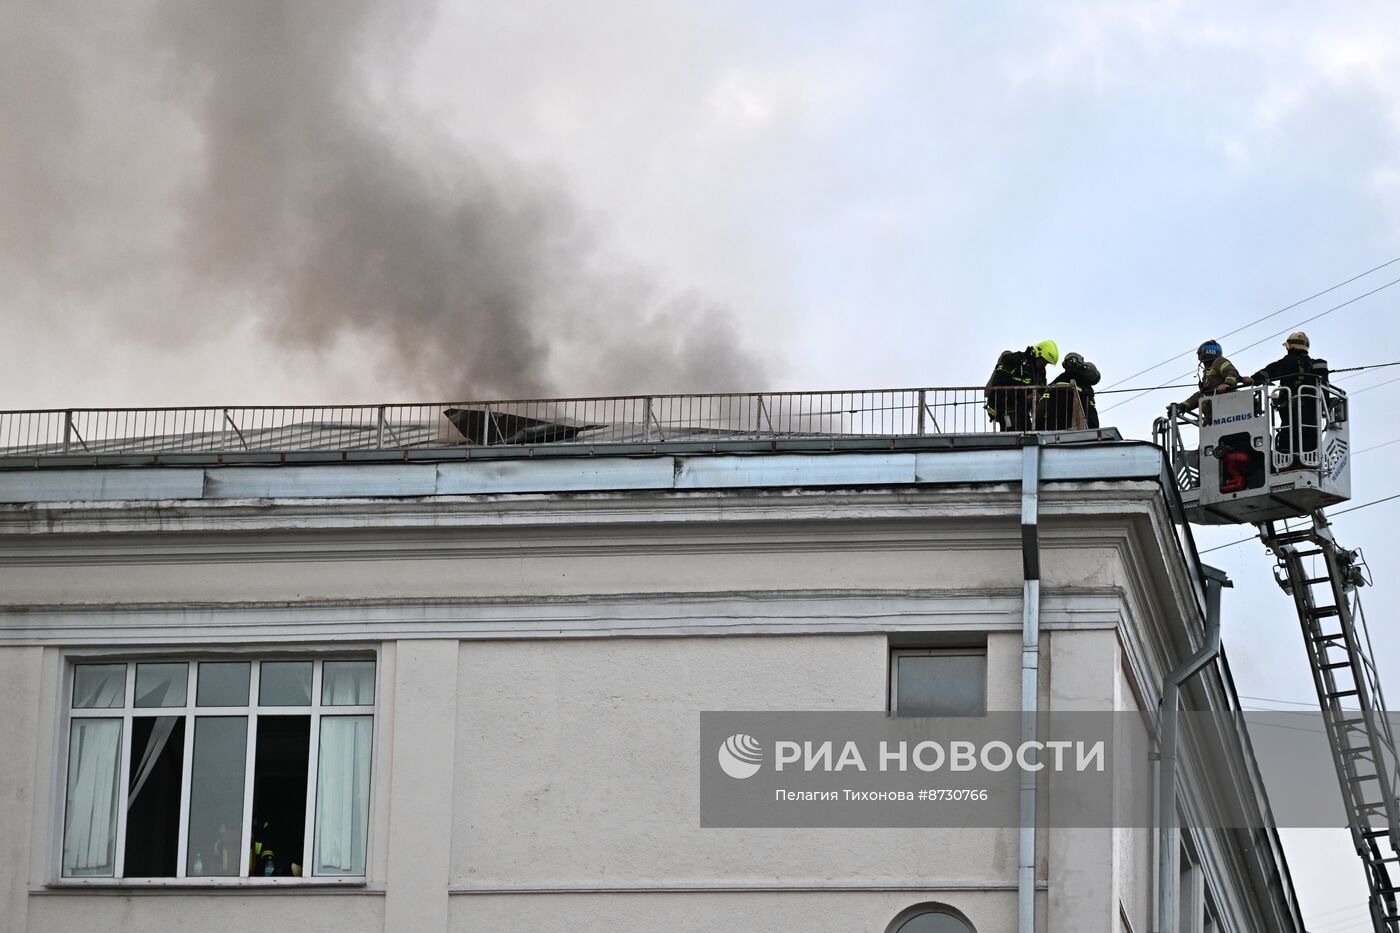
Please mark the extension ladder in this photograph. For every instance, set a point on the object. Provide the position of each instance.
(1348, 689)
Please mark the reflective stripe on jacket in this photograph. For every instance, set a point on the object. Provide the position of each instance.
(1221, 372)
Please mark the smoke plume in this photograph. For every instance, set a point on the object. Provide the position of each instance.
(254, 158)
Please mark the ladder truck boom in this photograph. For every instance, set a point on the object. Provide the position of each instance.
(1349, 693)
(1263, 456)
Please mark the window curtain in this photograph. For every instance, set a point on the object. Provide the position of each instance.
(347, 683)
(90, 828)
(99, 686)
(160, 734)
(342, 795)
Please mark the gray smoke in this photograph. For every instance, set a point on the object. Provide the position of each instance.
(268, 170)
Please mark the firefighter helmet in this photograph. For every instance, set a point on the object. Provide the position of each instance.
(1047, 350)
(1210, 350)
(1297, 341)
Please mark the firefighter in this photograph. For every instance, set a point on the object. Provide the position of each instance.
(1302, 377)
(1217, 375)
(1069, 395)
(1010, 401)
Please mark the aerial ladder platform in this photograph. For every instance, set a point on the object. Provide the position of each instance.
(1268, 456)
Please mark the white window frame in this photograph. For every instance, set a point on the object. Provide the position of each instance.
(969, 652)
(316, 711)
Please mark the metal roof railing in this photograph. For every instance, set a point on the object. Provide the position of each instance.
(111, 432)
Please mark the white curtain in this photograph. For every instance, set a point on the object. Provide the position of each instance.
(99, 686)
(342, 795)
(155, 744)
(347, 683)
(90, 824)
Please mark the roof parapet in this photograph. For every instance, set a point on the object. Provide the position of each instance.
(88, 436)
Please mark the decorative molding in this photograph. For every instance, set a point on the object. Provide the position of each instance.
(624, 615)
(974, 502)
(729, 887)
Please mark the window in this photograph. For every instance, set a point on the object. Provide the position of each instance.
(938, 682)
(218, 769)
(1212, 919)
(1186, 897)
(930, 918)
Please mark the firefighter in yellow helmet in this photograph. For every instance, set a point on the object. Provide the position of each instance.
(1010, 397)
(1302, 376)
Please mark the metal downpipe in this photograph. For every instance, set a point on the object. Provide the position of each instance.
(1030, 674)
(1167, 846)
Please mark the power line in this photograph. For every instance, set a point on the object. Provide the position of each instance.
(1349, 301)
(1179, 385)
(1376, 447)
(1245, 696)
(1276, 725)
(1221, 547)
(1354, 508)
(1338, 910)
(1347, 923)
(1367, 504)
(1307, 320)
(1353, 370)
(1375, 386)
(1264, 318)
(1344, 921)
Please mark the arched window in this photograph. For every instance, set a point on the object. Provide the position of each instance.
(931, 918)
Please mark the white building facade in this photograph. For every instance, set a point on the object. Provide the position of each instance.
(465, 695)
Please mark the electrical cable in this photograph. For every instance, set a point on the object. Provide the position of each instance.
(1354, 508)
(1349, 301)
(1262, 319)
(1357, 369)
(1346, 924)
(1364, 505)
(1363, 450)
(1179, 385)
(1312, 703)
(1338, 910)
(1374, 386)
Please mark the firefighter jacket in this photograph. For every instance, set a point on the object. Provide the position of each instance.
(1014, 368)
(1296, 369)
(1057, 410)
(1220, 372)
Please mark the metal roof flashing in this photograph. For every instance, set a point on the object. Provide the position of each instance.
(993, 458)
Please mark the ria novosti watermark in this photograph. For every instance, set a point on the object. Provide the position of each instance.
(741, 756)
(1089, 769)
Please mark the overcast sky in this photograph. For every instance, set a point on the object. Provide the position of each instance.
(354, 202)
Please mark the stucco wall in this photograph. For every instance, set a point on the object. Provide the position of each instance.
(21, 700)
(592, 750)
(537, 730)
